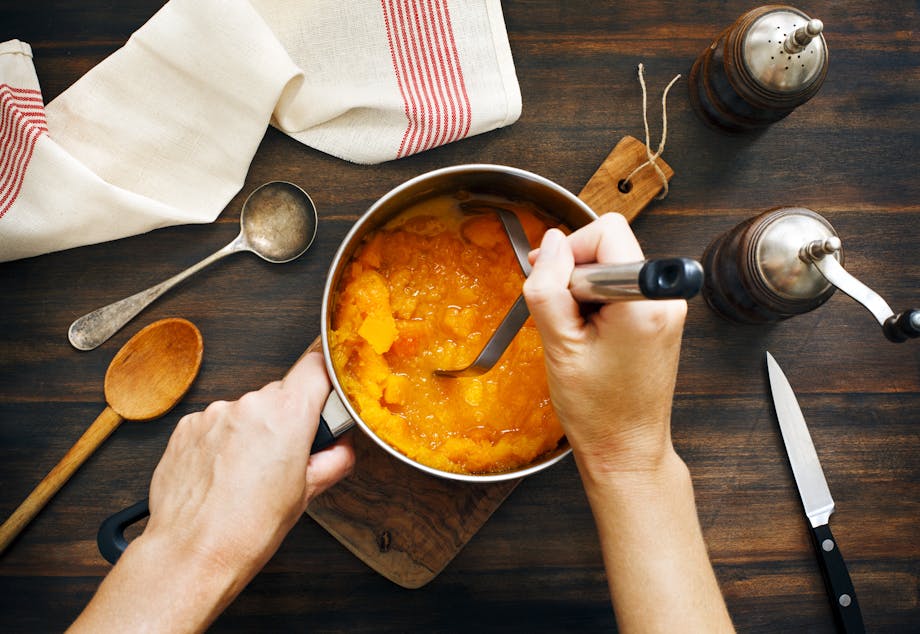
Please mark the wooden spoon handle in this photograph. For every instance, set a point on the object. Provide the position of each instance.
(101, 428)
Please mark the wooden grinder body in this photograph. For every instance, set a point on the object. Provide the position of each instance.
(737, 285)
(726, 95)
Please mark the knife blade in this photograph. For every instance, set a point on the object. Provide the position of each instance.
(816, 499)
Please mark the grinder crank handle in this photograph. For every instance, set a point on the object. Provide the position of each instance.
(897, 328)
(903, 326)
(111, 536)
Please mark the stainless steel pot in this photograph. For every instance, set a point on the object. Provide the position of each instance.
(338, 415)
(509, 182)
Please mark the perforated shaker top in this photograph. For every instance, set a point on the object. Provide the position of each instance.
(784, 50)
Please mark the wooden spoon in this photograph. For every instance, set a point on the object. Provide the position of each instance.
(145, 379)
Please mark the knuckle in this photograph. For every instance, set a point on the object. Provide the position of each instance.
(538, 291)
(538, 296)
(533, 289)
(183, 428)
(613, 220)
(215, 409)
(665, 317)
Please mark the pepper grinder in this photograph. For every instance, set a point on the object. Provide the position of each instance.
(770, 61)
(785, 262)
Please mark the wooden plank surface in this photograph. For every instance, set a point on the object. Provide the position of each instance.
(535, 566)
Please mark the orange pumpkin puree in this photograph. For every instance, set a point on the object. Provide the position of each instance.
(427, 291)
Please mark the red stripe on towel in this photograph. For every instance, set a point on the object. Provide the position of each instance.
(427, 67)
(447, 71)
(421, 114)
(22, 122)
(429, 81)
(466, 98)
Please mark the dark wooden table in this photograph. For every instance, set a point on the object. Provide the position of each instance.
(851, 154)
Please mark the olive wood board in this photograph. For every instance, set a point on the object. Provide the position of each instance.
(408, 525)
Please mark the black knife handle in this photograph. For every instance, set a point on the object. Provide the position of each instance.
(837, 580)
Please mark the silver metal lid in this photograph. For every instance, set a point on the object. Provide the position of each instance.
(784, 50)
(777, 254)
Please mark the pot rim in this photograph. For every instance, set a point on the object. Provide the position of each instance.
(357, 232)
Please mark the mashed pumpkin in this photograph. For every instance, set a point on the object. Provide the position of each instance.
(426, 292)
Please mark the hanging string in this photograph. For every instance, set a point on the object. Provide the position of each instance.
(653, 157)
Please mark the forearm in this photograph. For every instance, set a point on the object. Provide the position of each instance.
(153, 588)
(657, 565)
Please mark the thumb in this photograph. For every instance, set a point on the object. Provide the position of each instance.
(327, 467)
(546, 290)
(308, 377)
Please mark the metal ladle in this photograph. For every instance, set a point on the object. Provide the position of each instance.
(667, 278)
(277, 223)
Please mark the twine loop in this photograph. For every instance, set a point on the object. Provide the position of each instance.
(653, 156)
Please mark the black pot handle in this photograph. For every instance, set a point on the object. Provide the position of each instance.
(111, 537)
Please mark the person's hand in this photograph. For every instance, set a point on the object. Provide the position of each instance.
(611, 374)
(236, 477)
(233, 481)
(611, 378)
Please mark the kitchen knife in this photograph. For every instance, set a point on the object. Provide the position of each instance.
(816, 498)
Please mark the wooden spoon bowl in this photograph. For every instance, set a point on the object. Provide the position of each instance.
(154, 370)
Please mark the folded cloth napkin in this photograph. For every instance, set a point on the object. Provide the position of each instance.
(162, 132)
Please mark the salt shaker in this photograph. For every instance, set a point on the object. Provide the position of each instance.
(786, 262)
(770, 61)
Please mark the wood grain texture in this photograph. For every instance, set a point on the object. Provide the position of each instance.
(608, 190)
(403, 523)
(850, 153)
(101, 428)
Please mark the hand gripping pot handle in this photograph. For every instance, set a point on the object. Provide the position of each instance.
(111, 539)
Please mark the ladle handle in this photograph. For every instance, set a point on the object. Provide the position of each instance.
(95, 328)
(664, 278)
(111, 536)
(94, 436)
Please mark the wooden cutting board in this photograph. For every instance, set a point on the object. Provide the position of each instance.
(408, 525)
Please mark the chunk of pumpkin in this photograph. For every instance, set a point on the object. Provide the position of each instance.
(379, 330)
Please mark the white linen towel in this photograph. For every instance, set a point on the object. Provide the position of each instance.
(163, 131)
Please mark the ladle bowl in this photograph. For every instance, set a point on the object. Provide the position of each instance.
(277, 223)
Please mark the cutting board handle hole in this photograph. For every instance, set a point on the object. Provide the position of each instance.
(624, 186)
